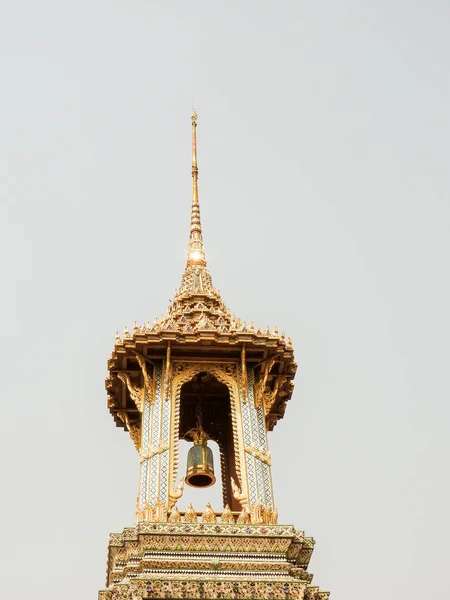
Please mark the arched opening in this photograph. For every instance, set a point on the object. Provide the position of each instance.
(205, 401)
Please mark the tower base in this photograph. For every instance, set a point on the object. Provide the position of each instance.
(209, 560)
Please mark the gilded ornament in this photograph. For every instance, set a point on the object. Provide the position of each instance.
(209, 516)
(190, 516)
(244, 374)
(137, 394)
(270, 396)
(146, 513)
(198, 436)
(174, 516)
(261, 383)
(168, 372)
(227, 515)
(238, 494)
(153, 450)
(176, 493)
(267, 514)
(259, 453)
(149, 383)
(244, 516)
(160, 512)
(256, 513)
(133, 429)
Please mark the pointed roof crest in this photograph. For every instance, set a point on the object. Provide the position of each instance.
(196, 252)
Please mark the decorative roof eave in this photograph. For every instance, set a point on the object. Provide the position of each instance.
(183, 344)
(231, 337)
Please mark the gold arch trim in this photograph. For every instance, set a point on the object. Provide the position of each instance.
(186, 372)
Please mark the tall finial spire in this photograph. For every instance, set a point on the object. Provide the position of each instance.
(196, 254)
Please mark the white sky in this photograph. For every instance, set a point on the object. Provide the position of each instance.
(324, 186)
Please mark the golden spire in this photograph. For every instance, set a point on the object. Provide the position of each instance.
(196, 253)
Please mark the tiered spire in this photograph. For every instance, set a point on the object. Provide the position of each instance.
(196, 253)
(196, 279)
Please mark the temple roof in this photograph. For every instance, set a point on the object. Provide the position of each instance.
(197, 304)
(199, 325)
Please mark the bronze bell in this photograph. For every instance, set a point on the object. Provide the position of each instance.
(200, 464)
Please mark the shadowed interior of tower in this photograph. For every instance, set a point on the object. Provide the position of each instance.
(205, 403)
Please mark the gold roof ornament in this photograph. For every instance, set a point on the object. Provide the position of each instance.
(197, 316)
(174, 516)
(243, 517)
(227, 515)
(196, 254)
(208, 515)
(190, 516)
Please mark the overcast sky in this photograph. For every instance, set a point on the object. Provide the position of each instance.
(323, 146)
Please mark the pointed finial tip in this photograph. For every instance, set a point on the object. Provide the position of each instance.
(194, 115)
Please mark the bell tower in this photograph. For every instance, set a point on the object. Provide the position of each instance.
(198, 374)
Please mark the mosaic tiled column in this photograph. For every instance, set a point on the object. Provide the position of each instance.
(255, 442)
(155, 446)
